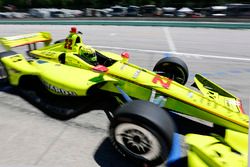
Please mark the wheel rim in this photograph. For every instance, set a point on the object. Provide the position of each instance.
(3, 73)
(180, 76)
(137, 141)
(173, 72)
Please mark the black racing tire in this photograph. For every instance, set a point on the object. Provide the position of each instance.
(143, 132)
(4, 78)
(173, 68)
(59, 41)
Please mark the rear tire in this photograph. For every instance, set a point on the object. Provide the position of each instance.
(142, 132)
(173, 68)
(4, 78)
(62, 107)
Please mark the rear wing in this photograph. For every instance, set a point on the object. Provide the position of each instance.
(26, 39)
(215, 92)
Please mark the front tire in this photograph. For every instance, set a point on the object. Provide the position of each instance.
(142, 132)
(173, 68)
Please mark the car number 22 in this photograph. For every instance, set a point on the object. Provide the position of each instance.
(68, 44)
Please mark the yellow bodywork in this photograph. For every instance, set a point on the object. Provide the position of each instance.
(63, 70)
(180, 98)
(58, 78)
(206, 151)
(25, 39)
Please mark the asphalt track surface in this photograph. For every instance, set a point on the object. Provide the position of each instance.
(30, 138)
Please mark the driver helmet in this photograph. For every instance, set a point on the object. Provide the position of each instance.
(72, 32)
(89, 53)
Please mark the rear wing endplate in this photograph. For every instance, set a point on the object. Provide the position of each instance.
(214, 91)
(207, 87)
(26, 39)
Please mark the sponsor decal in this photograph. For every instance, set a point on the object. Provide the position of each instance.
(20, 37)
(233, 102)
(123, 67)
(136, 74)
(59, 90)
(165, 82)
(157, 99)
(237, 103)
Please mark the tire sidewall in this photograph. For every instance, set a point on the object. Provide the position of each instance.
(150, 117)
(4, 82)
(173, 61)
(162, 154)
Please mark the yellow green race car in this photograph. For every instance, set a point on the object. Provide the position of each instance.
(68, 78)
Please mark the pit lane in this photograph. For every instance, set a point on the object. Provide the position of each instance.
(30, 138)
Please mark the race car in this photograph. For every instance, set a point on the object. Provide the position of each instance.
(64, 82)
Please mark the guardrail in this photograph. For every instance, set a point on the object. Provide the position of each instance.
(228, 25)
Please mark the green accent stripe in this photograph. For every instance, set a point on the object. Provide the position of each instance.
(229, 25)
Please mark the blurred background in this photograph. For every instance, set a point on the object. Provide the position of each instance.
(30, 138)
(124, 8)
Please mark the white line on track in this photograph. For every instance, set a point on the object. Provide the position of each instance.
(169, 40)
(174, 53)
